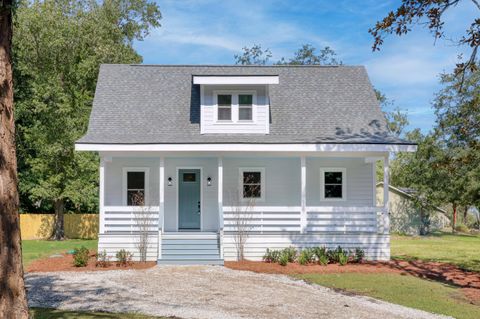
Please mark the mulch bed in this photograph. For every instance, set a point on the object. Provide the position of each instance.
(467, 281)
(65, 263)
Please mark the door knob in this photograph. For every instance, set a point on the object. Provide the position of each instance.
(199, 207)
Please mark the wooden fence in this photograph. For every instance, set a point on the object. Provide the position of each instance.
(40, 226)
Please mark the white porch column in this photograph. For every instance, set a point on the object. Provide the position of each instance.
(101, 195)
(303, 213)
(161, 205)
(386, 178)
(220, 204)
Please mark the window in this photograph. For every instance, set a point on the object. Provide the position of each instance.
(252, 184)
(189, 177)
(333, 183)
(245, 104)
(235, 106)
(135, 186)
(224, 102)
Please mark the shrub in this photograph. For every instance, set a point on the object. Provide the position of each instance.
(306, 256)
(283, 260)
(103, 260)
(342, 258)
(80, 257)
(272, 256)
(290, 253)
(461, 228)
(334, 255)
(323, 260)
(321, 253)
(124, 257)
(359, 255)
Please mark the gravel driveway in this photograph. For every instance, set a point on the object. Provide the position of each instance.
(202, 292)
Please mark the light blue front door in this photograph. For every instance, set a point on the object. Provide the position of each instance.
(189, 206)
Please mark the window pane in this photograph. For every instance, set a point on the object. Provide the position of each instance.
(333, 191)
(135, 180)
(135, 198)
(333, 177)
(224, 100)
(224, 113)
(252, 177)
(251, 191)
(245, 113)
(189, 177)
(245, 99)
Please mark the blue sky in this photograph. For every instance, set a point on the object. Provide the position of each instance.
(406, 69)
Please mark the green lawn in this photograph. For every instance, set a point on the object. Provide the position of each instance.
(461, 250)
(41, 313)
(403, 290)
(35, 249)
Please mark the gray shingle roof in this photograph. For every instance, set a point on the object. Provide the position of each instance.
(145, 104)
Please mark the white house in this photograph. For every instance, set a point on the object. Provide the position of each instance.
(202, 143)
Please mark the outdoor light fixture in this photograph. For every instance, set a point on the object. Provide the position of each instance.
(169, 181)
(209, 181)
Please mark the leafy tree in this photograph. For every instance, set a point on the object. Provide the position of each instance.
(396, 119)
(307, 55)
(13, 298)
(430, 13)
(253, 56)
(59, 46)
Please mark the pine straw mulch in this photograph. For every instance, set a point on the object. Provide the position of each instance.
(65, 263)
(467, 281)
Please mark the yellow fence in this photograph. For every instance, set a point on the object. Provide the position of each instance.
(40, 226)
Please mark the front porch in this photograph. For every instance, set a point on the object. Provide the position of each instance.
(291, 211)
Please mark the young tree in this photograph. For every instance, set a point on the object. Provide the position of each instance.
(430, 13)
(59, 46)
(13, 299)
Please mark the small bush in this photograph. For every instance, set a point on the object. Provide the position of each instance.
(334, 255)
(461, 228)
(359, 255)
(124, 258)
(306, 256)
(80, 257)
(283, 260)
(320, 252)
(323, 260)
(272, 256)
(290, 253)
(103, 260)
(342, 258)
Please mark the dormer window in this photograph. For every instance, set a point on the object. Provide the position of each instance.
(224, 107)
(235, 106)
(245, 105)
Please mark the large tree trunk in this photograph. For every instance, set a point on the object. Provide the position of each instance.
(13, 299)
(58, 231)
(465, 216)
(454, 219)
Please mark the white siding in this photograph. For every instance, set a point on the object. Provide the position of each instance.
(261, 115)
(376, 247)
(112, 243)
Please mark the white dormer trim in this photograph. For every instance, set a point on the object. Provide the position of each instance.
(242, 80)
(235, 107)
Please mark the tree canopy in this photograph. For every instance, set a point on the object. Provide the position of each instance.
(58, 49)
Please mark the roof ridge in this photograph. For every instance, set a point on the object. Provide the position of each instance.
(236, 66)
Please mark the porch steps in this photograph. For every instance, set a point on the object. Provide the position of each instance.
(190, 248)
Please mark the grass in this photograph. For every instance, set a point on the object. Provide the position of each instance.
(35, 249)
(458, 249)
(44, 313)
(403, 290)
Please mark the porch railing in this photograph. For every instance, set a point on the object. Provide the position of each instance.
(131, 219)
(318, 219)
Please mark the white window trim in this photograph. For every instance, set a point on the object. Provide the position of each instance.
(241, 170)
(323, 170)
(235, 106)
(146, 170)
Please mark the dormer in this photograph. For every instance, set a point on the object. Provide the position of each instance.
(234, 104)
